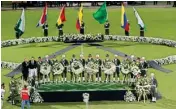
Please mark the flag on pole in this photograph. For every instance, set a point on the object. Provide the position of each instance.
(80, 18)
(139, 20)
(20, 26)
(101, 14)
(43, 18)
(61, 17)
(124, 20)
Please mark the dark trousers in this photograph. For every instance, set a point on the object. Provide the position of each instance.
(60, 32)
(17, 35)
(126, 33)
(71, 73)
(64, 74)
(142, 33)
(155, 2)
(106, 31)
(82, 74)
(117, 72)
(153, 91)
(82, 31)
(98, 74)
(25, 76)
(46, 32)
(107, 76)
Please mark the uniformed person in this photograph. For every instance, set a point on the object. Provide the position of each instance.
(53, 62)
(82, 28)
(60, 29)
(143, 66)
(13, 90)
(106, 26)
(107, 77)
(47, 60)
(98, 61)
(45, 29)
(25, 71)
(126, 64)
(141, 31)
(154, 85)
(83, 62)
(116, 61)
(39, 62)
(33, 69)
(71, 61)
(90, 59)
(65, 63)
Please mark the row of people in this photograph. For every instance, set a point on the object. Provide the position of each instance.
(32, 68)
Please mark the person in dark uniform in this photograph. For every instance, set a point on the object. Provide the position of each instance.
(39, 62)
(143, 66)
(45, 29)
(72, 75)
(174, 4)
(90, 59)
(141, 31)
(60, 29)
(168, 2)
(54, 60)
(116, 61)
(98, 61)
(127, 29)
(65, 63)
(47, 60)
(154, 85)
(107, 77)
(33, 69)
(82, 28)
(14, 5)
(25, 71)
(83, 62)
(106, 26)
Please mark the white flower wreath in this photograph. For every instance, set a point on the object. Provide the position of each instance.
(135, 70)
(91, 68)
(125, 70)
(77, 67)
(109, 68)
(57, 68)
(45, 68)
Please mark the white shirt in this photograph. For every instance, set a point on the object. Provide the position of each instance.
(2, 93)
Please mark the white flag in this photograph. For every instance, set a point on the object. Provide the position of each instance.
(140, 22)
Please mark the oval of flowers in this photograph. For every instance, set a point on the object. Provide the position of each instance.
(57, 68)
(109, 68)
(45, 68)
(77, 67)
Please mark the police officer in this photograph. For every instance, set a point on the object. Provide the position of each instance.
(83, 62)
(98, 61)
(60, 29)
(45, 29)
(107, 77)
(65, 63)
(106, 26)
(82, 28)
(90, 59)
(116, 61)
(143, 66)
(71, 61)
(154, 85)
(142, 31)
(39, 62)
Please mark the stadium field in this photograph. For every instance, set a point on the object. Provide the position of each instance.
(160, 22)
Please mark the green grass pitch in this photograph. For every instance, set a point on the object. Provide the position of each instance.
(160, 22)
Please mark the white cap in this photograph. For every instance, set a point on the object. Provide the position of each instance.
(46, 56)
(63, 56)
(152, 74)
(115, 55)
(97, 55)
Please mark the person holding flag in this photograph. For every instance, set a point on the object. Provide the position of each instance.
(43, 21)
(140, 23)
(61, 19)
(20, 26)
(124, 21)
(101, 16)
